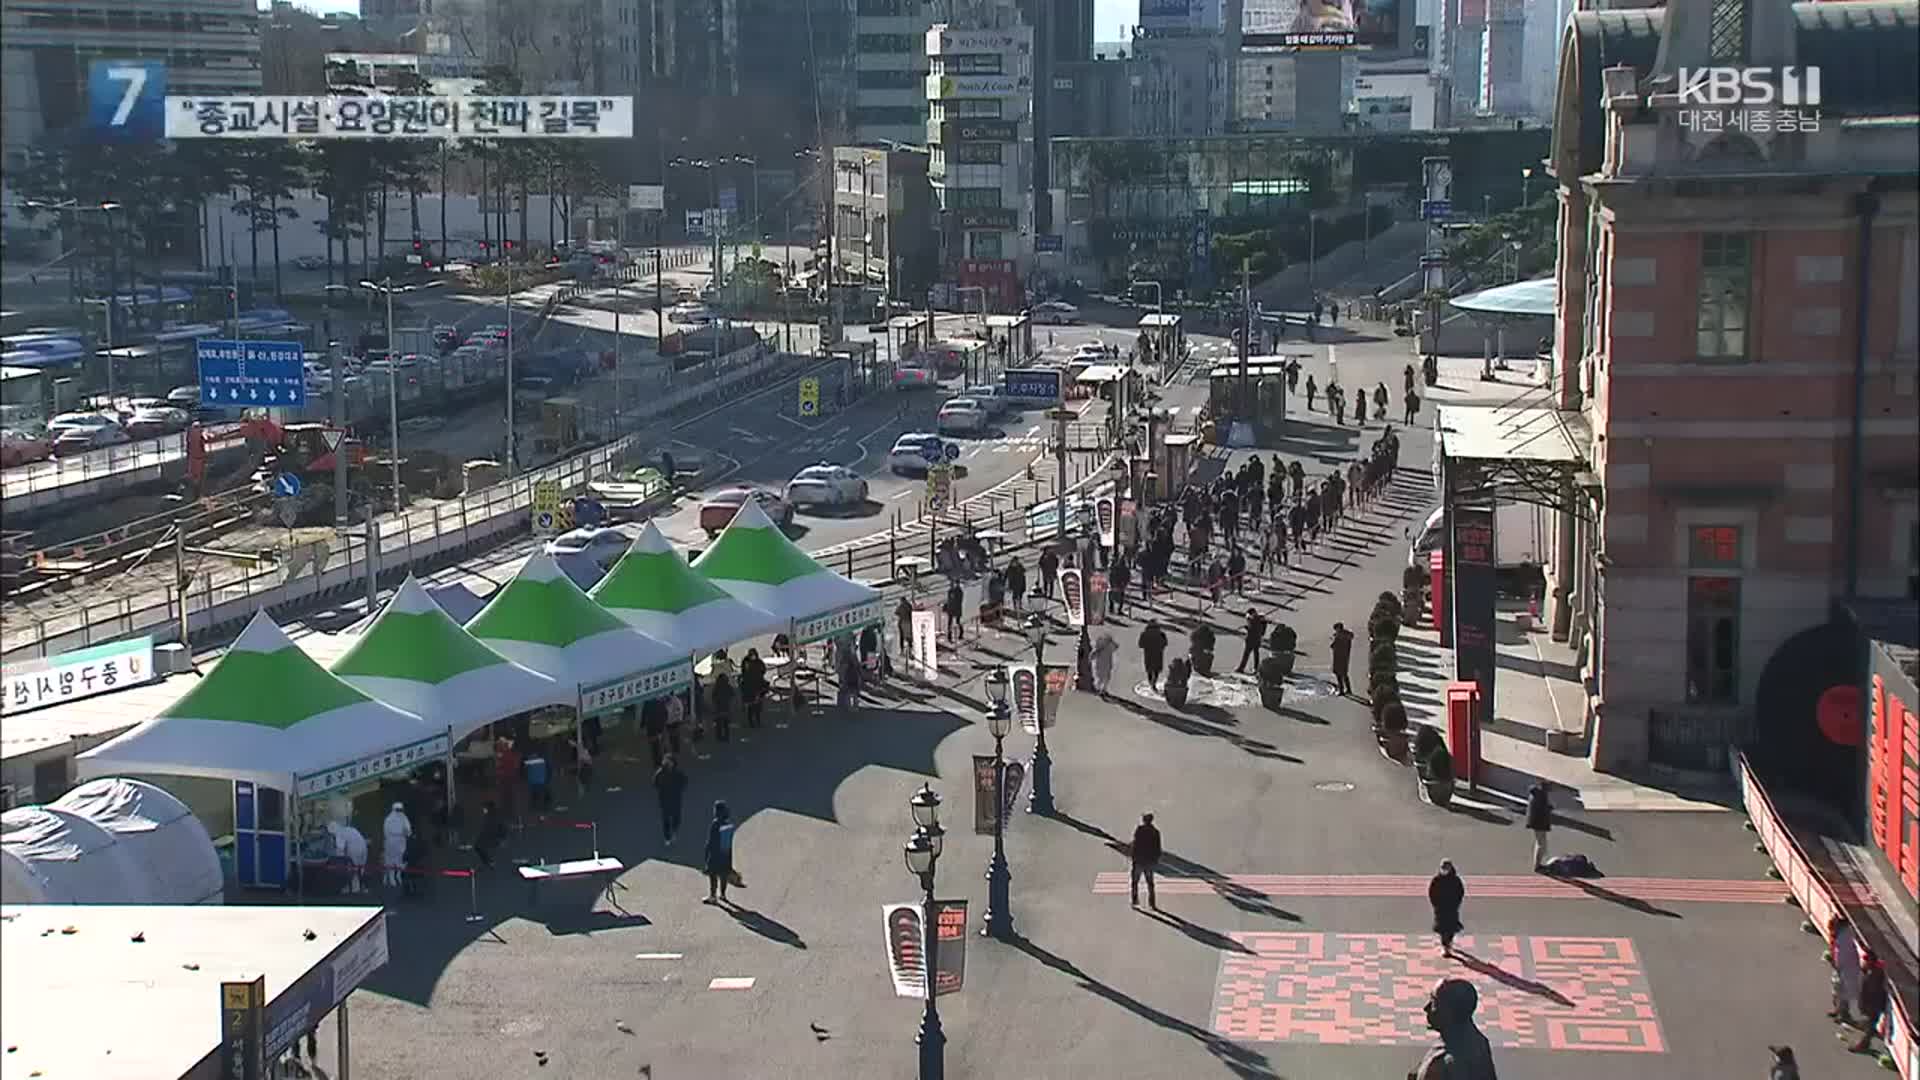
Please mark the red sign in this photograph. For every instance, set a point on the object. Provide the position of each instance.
(995, 276)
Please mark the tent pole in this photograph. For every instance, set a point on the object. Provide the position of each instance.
(793, 667)
(451, 798)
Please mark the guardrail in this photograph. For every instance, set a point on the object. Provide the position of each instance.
(1816, 897)
(411, 539)
(28, 487)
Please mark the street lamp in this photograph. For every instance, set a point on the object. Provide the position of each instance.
(387, 288)
(1041, 801)
(922, 853)
(999, 878)
(1526, 184)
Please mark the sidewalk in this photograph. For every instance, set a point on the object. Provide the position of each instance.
(1537, 694)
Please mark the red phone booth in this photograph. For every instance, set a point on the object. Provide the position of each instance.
(1463, 730)
(1437, 578)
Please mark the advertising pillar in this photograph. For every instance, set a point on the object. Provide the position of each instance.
(1470, 551)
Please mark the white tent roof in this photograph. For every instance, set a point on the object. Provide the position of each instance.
(542, 620)
(655, 591)
(415, 657)
(268, 713)
(161, 843)
(754, 560)
(54, 856)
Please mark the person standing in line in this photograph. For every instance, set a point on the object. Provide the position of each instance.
(1873, 1001)
(955, 610)
(1340, 647)
(722, 706)
(1256, 633)
(903, 626)
(1843, 953)
(1446, 893)
(395, 831)
(1017, 583)
(1153, 651)
(1359, 406)
(1539, 821)
(1049, 569)
(1145, 858)
(719, 854)
(670, 788)
(1119, 577)
(539, 794)
(1237, 572)
(753, 685)
(1412, 407)
(653, 721)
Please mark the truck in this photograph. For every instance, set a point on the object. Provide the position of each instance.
(1520, 538)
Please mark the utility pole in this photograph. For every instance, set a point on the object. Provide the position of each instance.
(512, 440)
(340, 423)
(393, 398)
(659, 271)
(1246, 336)
(180, 579)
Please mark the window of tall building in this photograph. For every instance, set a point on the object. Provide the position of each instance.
(887, 79)
(1715, 554)
(1726, 280)
(986, 245)
(973, 198)
(890, 43)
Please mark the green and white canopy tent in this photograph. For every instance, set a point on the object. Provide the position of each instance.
(270, 714)
(415, 657)
(654, 591)
(541, 620)
(756, 562)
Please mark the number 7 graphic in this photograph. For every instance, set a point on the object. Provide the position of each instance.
(136, 80)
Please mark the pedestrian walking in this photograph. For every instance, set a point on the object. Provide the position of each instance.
(1340, 648)
(1017, 583)
(653, 721)
(1784, 1066)
(1103, 651)
(719, 855)
(954, 610)
(1463, 1053)
(395, 831)
(539, 794)
(1873, 1001)
(1153, 651)
(1237, 572)
(1446, 892)
(670, 788)
(1843, 953)
(492, 830)
(1119, 577)
(1337, 402)
(1049, 569)
(583, 763)
(1256, 633)
(1412, 407)
(1539, 821)
(1145, 857)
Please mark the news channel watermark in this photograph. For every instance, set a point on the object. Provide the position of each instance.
(1749, 100)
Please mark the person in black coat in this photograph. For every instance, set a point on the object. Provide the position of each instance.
(1341, 648)
(753, 685)
(1256, 633)
(954, 608)
(722, 707)
(1049, 568)
(1446, 892)
(1539, 821)
(1017, 583)
(1153, 651)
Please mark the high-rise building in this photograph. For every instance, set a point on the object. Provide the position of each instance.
(890, 71)
(980, 134)
(1187, 54)
(47, 46)
(1069, 29)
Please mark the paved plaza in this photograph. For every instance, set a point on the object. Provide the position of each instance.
(1292, 937)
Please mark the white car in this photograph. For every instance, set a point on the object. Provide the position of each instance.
(914, 453)
(66, 422)
(1056, 311)
(961, 414)
(162, 420)
(1090, 353)
(690, 314)
(603, 546)
(185, 397)
(826, 485)
(79, 440)
(993, 398)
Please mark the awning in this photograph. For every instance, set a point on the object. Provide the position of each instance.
(1522, 298)
(1502, 433)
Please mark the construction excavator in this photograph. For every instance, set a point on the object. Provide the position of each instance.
(263, 448)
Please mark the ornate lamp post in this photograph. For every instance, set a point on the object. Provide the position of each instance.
(922, 852)
(1041, 801)
(999, 878)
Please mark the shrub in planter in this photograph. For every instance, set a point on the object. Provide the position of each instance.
(1178, 674)
(1200, 650)
(1283, 642)
(1385, 699)
(1436, 776)
(1384, 686)
(1383, 626)
(1390, 730)
(1383, 657)
(1388, 602)
(1413, 591)
(1426, 741)
(1273, 679)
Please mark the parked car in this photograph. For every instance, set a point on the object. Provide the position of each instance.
(78, 421)
(20, 447)
(164, 420)
(1056, 311)
(447, 338)
(310, 262)
(141, 404)
(961, 414)
(913, 378)
(913, 453)
(603, 546)
(722, 505)
(690, 314)
(79, 440)
(186, 397)
(826, 485)
(994, 398)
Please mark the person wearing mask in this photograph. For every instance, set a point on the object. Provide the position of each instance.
(1340, 647)
(486, 840)
(1119, 578)
(1049, 569)
(1446, 893)
(1380, 401)
(1539, 821)
(670, 789)
(1103, 651)
(1153, 651)
(753, 685)
(539, 795)
(1412, 410)
(653, 721)
(506, 773)
(583, 763)
(1256, 633)
(1237, 572)
(1144, 859)
(719, 854)
(903, 625)
(395, 831)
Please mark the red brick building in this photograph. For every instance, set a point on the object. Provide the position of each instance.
(1738, 330)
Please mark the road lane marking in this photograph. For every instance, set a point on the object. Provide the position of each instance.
(731, 984)
(658, 956)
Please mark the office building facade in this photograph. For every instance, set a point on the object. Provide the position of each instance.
(980, 136)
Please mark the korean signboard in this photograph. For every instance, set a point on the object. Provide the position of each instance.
(83, 673)
(907, 948)
(646, 196)
(353, 117)
(845, 620)
(945, 41)
(620, 693)
(370, 767)
(1471, 561)
(946, 87)
(1334, 24)
(242, 1038)
(985, 218)
(999, 131)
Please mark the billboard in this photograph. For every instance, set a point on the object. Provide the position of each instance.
(944, 87)
(1330, 24)
(997, 131)
(352, 117)
(944, 41)
(1158, 16)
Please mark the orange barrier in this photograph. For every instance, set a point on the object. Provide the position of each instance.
(1817, 898)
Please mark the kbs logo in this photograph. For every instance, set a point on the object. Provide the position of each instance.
(1789, 86)
(1750, 100)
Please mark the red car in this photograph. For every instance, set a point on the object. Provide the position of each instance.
(718, 511)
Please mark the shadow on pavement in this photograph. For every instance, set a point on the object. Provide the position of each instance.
(1190, 726)
(1242, 1061)
(1601, 892)
(1212, 939)
(1508, 978)
(769, 928)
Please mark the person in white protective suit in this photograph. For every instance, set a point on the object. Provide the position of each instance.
(395, 832)
(350, 844)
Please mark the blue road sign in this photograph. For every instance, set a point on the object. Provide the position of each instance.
(1045, 242)
(1033, 385)
(950, 451)
(1436, 209)
(249, 374)
(127, 99)
(588, 513)
(286, 485)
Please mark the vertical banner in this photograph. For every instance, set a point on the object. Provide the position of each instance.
(1107, 513)
(926, 645)
(242, 1030)
(1073, 584)
(985, 815)
(1471, 540)
(1025, 682)
(1097, 586)
(1016, 775)
(950, 963)
(906, 949)
(1126, 531)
